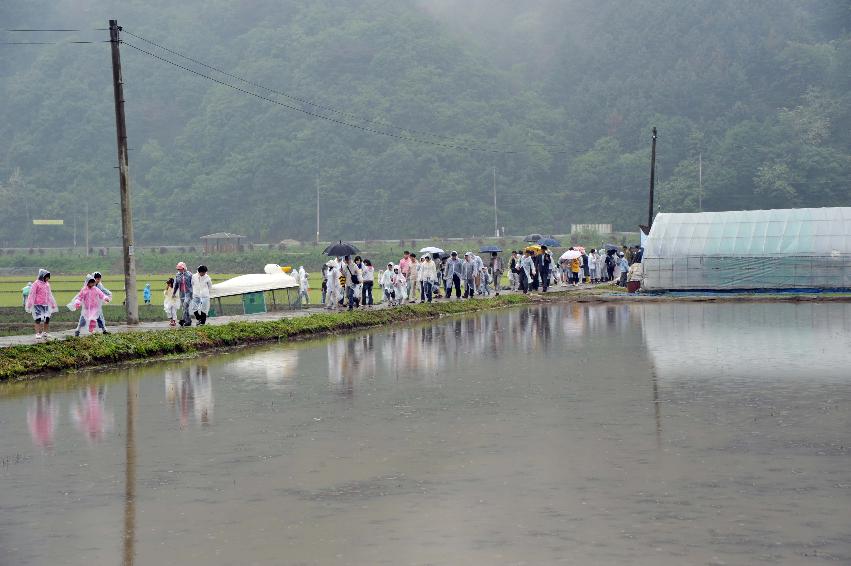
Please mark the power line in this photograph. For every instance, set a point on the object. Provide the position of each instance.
(327, 108)
(47, 42)
(321, 116)
(43, 30)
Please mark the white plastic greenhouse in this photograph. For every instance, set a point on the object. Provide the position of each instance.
(802, 248)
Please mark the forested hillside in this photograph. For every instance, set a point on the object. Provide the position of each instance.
(558, 95)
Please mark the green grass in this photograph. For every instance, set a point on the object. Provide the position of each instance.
(20, 361)
(65, 287)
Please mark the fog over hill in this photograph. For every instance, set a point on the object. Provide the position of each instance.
(559, 96)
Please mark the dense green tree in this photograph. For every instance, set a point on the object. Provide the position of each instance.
(558, 96)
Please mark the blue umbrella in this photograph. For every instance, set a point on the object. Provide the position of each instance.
(549, 242)
(490, 249)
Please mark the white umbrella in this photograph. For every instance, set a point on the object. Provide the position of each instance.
(431, 250)
(570, 254)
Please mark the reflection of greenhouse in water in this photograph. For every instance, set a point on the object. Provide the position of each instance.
(702, 341)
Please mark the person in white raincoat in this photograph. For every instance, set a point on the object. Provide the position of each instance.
(400, 285)
(202, 288)
(593, 266)
(303, 286)
(334, 292)
(385, 281)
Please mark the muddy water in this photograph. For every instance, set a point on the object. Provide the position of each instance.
(656, 434)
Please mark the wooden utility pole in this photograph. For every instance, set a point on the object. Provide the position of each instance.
(495, 221)
(317, 211)
(131, 301)
(652, 180)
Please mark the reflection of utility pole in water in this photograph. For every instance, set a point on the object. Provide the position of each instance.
(130, 476)
(654, 382)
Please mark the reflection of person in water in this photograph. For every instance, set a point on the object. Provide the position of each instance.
(41, 420)
(89, 413)
(191, 393)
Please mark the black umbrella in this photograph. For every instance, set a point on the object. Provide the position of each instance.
(610, 247)
(533, 237)
(549, 242)
(490, 249)
(441, 255)
(341, 249)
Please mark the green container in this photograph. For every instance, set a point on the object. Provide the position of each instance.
(254, 303)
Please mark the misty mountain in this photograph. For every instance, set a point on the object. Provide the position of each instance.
(558, 96)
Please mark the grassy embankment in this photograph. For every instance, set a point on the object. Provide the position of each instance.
(21, 361)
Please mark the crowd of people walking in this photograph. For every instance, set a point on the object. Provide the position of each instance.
(350, 282)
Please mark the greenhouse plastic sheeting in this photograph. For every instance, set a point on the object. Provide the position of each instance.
(804, 248)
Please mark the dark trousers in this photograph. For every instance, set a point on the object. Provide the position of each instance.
(469, 288)
(427, 288)
(366, 293)
(187, 316)
(456, 282)
(524, 281)
(610, 269)
(545, 279)
(350, 295)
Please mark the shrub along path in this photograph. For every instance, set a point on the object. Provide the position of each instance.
(25, 360)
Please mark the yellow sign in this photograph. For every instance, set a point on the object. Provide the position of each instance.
(48, 222)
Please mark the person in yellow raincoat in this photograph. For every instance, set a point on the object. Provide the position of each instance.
(575, 266)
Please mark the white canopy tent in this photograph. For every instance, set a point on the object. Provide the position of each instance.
(253, 283)
(273, 280)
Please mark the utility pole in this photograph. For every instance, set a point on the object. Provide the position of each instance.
(700, 181)
(131, 301)
(652, 180)
(495, 221)
(87, 229)
(317, 211)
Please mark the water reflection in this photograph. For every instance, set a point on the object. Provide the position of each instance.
(748, 341)
(89, 413)
(580, 423)
(41, 420)
(189, 390)
(274, 369)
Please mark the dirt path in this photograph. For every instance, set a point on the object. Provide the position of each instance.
(557, 293)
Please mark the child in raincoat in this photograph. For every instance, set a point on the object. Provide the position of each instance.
(385, 280)
(90, 299)
(146, 294)
(400, 285)
(170, 302)
(41, 303)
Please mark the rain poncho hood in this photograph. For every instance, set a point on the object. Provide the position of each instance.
(90, 300)
(40, 294)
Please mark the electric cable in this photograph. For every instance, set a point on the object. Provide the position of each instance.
(321, 116)
(327, 108)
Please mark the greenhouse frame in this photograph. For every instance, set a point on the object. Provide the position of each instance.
(802, 248)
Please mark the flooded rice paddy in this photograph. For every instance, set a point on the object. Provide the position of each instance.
(644, 434)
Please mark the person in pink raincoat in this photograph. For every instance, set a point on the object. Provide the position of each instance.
(41, 303)
(90, 299)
